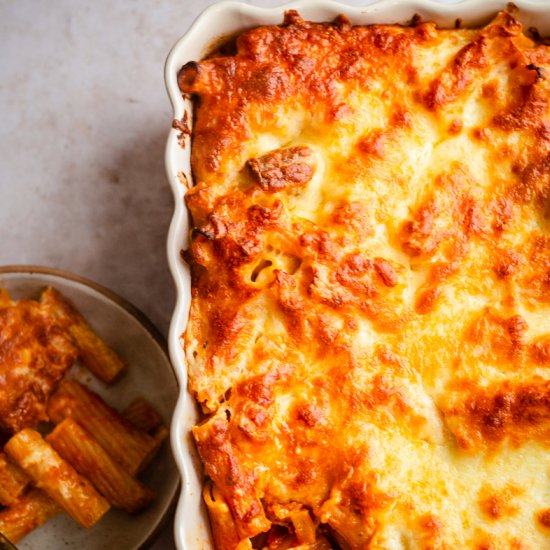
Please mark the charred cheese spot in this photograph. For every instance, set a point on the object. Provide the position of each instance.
(432, 530)
(543, 517)
(497, 504)
(455, 79)
(505, 411)
(370, 262)
(540, 350)
(497, 340)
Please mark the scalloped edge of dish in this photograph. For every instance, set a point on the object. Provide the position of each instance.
(191, 528)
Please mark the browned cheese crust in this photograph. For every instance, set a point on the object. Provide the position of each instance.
(369, 331)
(35, 353)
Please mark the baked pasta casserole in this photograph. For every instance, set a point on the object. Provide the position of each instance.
(369, 333)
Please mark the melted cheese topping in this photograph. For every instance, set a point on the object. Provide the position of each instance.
(370, 325)
(35, 353)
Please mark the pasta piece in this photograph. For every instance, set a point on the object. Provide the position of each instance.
(130, 447)
(224, 530)
(74, 493)
(142, 415)
(320, 543)
(5, 299)
(160, 434)
(303, 526)
(29, 512)
(96, 355)
(89, 458)
(303, 530)
(13, 481)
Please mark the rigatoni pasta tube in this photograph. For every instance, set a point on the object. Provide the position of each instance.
(5, 299)
(96, 355)
(160, 434)
(13, 481)
(55, 476)
(142, 415)
(89, 458)
(304, 527)
(30, 511)
(224, 530)
(130, 447)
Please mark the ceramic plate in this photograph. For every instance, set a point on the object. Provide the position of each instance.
(149, 375)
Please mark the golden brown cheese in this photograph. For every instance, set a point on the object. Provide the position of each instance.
(369, 331)
(35, 353)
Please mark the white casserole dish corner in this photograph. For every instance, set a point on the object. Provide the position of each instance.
(191, 528)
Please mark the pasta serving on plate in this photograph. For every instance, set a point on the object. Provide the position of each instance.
(89, 460)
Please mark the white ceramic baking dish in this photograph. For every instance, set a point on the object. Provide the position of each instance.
(224, 19)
